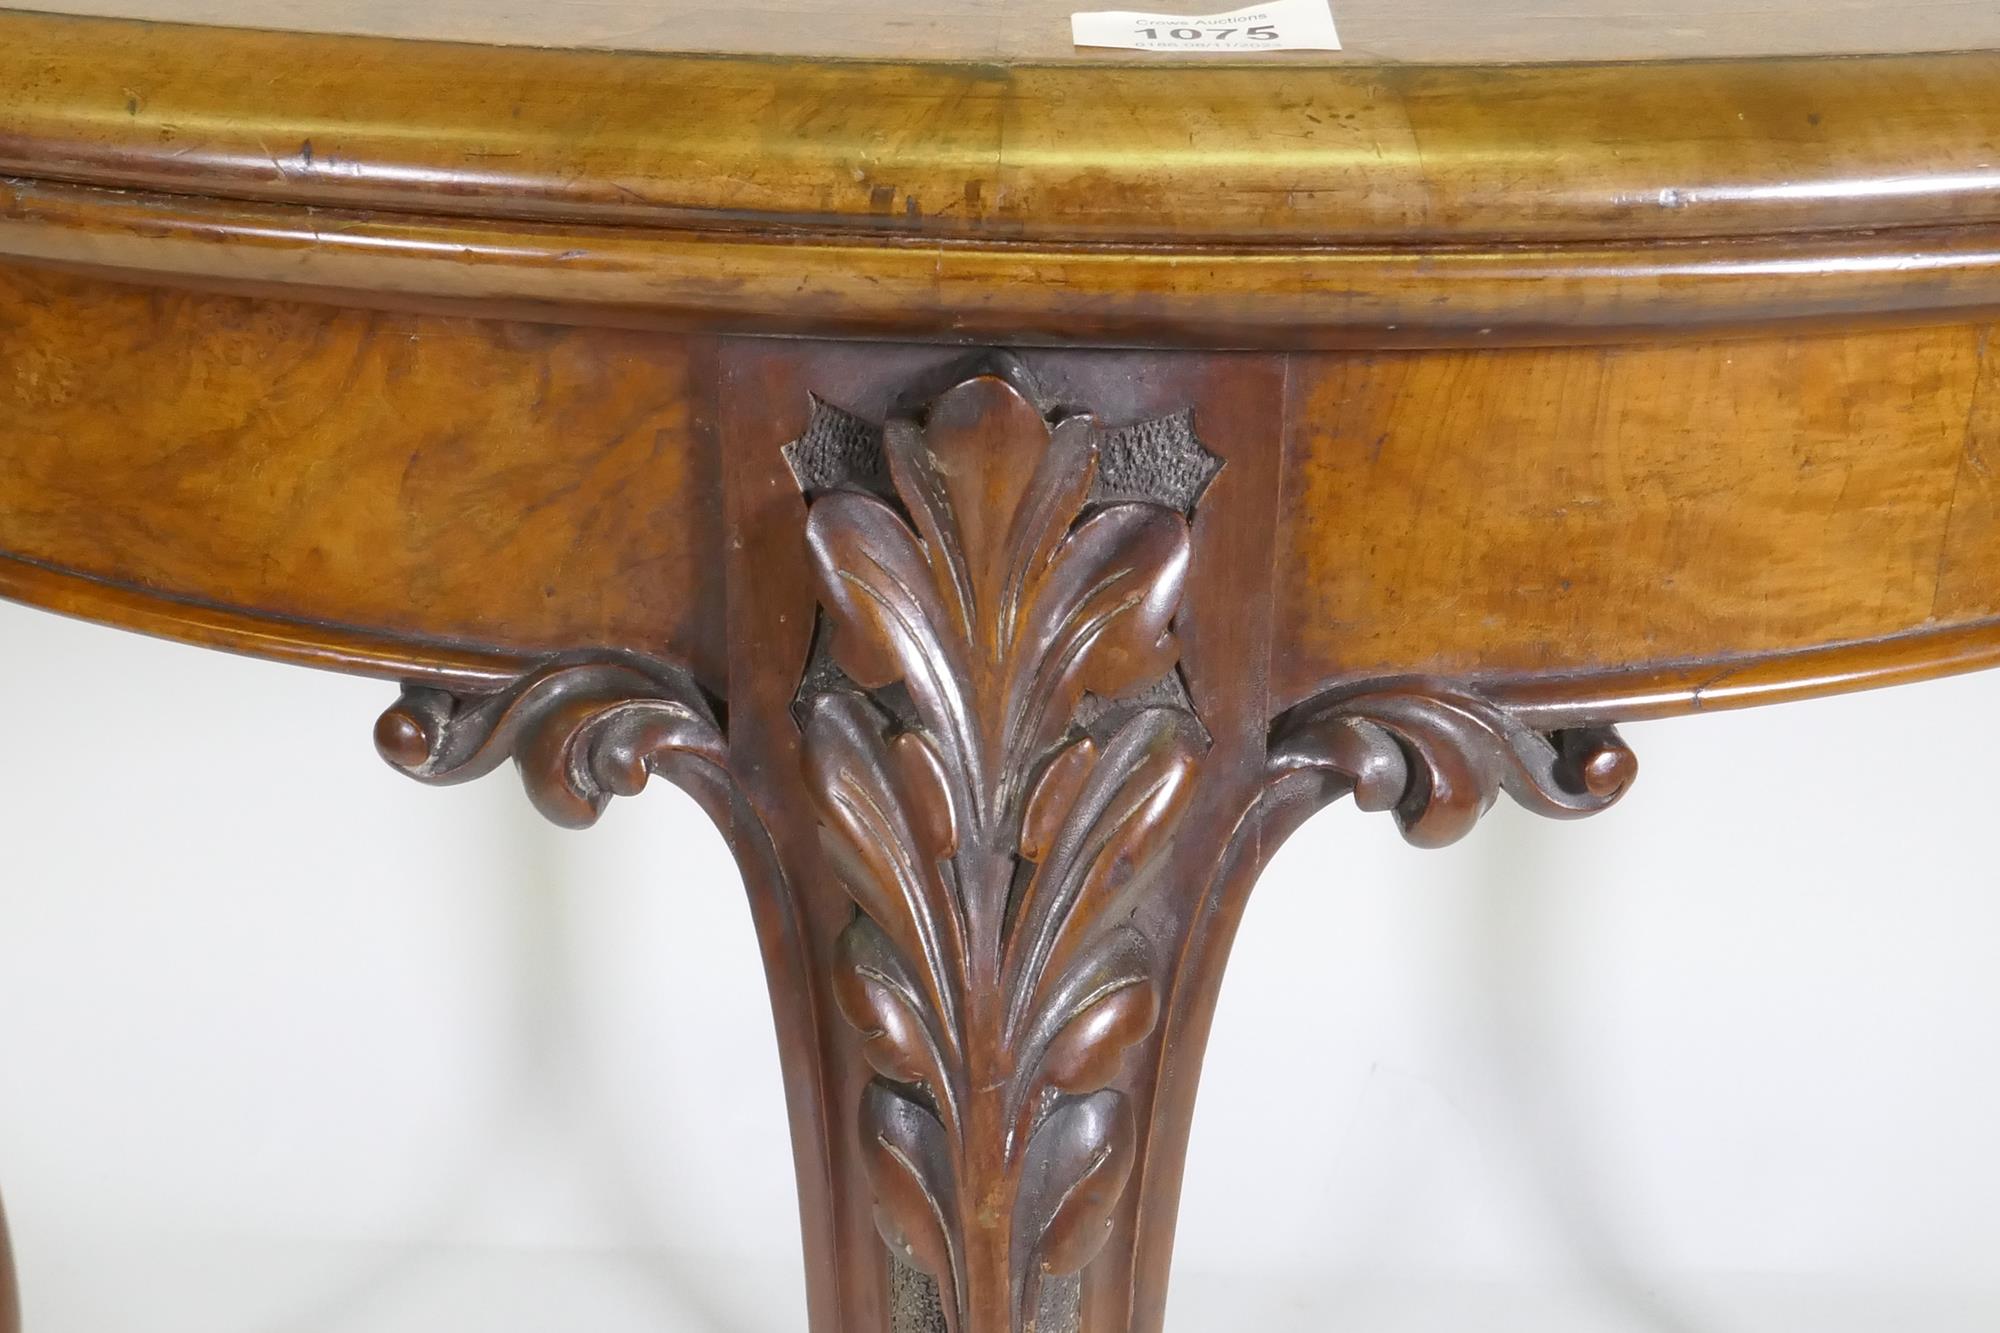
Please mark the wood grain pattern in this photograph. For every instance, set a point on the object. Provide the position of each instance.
(1746, 680)
(1265, 155)
(1257, 206)
(1218, 297)
(980, 30)
(1768, 497)
(1458, 513)
(372, 471)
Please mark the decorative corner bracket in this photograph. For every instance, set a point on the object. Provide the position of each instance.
(1439, 755)
(581, 732)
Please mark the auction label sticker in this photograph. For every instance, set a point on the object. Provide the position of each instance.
(1282, 25)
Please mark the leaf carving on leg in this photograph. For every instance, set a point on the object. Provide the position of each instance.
(876, 589)
(901, 1037)
(995, 846)
(910, 1169)
(1078, 1162)
(1097, 619)
(1106, 1004)
(1116, 824)
(886, 823)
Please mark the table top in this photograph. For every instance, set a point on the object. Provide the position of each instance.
(1372, 31)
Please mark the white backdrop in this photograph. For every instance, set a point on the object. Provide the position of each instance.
(291, 1045)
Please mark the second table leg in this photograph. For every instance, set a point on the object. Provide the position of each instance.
(10, 1300)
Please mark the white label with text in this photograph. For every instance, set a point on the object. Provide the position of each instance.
(1282, 25)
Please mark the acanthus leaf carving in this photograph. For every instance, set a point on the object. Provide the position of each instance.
(993, 832)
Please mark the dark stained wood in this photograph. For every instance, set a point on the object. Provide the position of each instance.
(582, 730)
(997, 1002)
(581, 733)
(766, 401)
(10, 1300)
(1226, 647)
(759, 406)
(1512, 400)
(1438, 756)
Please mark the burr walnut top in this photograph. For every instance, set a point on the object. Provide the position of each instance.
(1373, 31)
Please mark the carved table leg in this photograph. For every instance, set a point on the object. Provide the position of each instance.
(1000, 772)
(10, 1297)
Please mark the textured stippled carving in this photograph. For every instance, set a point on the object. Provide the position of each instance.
(1161, 460)
(914, 1303)
(838, 448)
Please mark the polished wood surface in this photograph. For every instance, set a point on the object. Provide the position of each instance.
(1009, 489)
(1249, 153)
(239, 453)
(1855, 505)
(1371, 31)
(1451, 511)
(1212, 206)
(1221, 297)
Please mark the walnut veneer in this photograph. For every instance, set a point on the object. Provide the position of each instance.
(1010, 488)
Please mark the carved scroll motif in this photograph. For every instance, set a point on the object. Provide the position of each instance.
(1000, 748)
(1439, 755)
(581, 732)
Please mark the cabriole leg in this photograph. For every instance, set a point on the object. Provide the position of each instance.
(1001, 770)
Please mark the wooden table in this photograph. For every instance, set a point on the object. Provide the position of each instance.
(1009, 487)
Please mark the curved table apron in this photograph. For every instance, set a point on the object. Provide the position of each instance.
(1010, 494)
